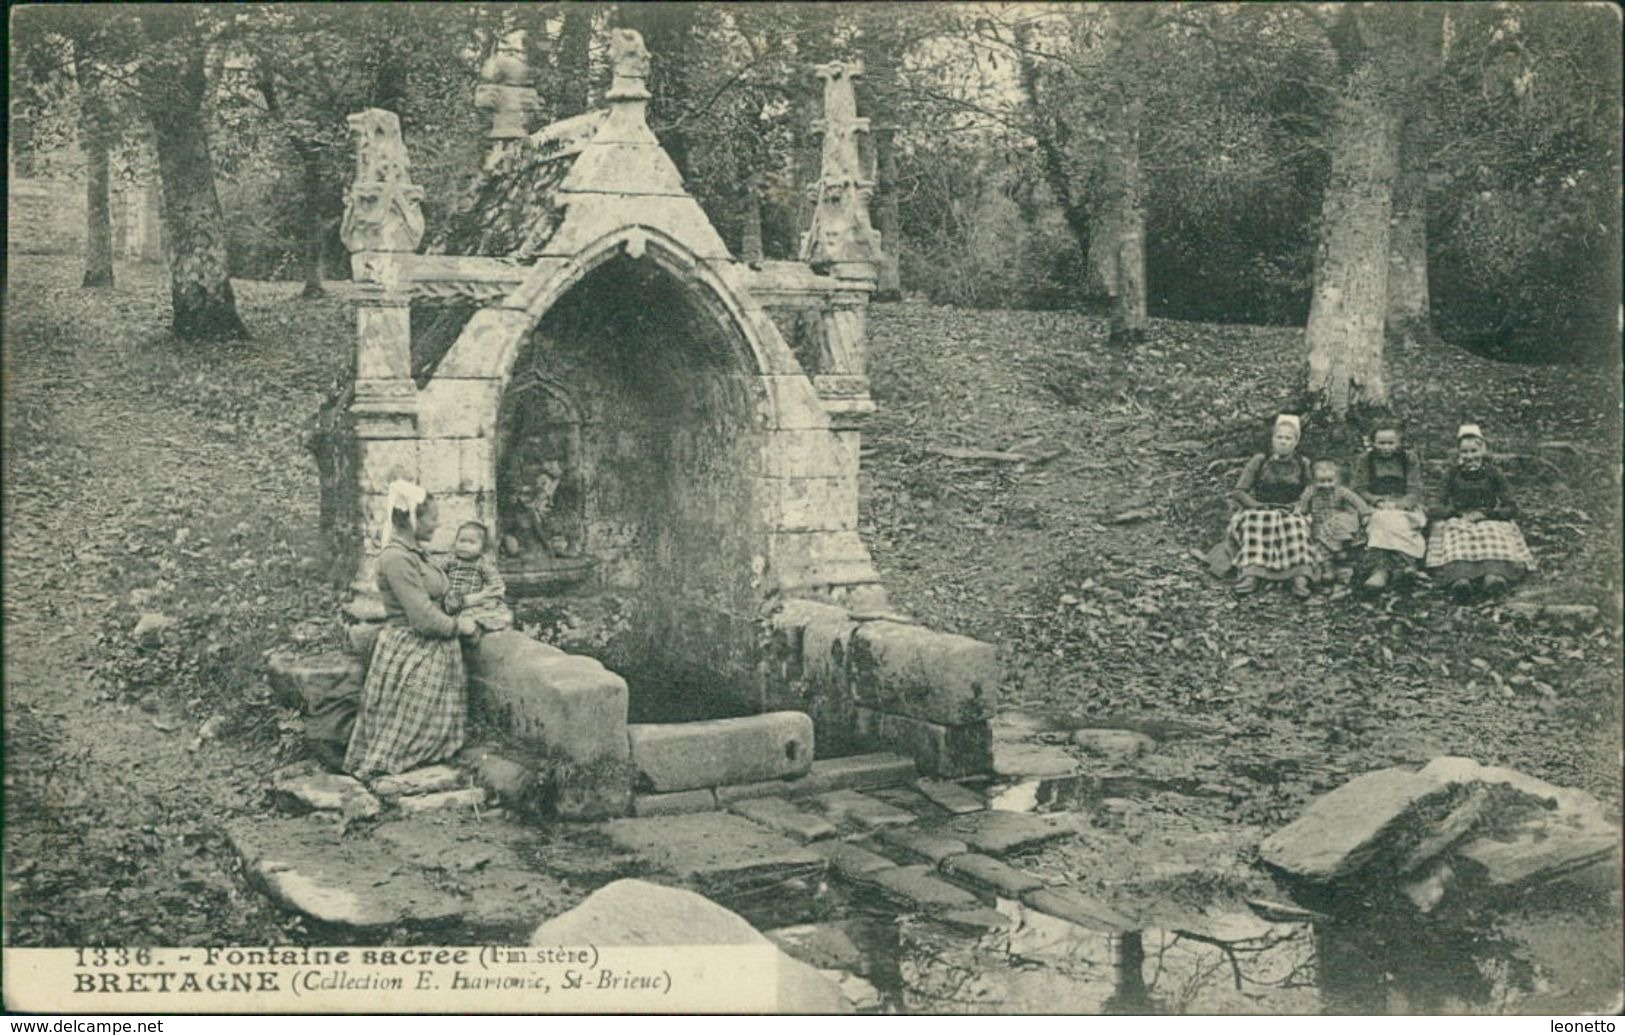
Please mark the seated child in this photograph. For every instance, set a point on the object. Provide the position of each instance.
(476, 584)
(1389, 477)
(1475, 537)
(1335, 514)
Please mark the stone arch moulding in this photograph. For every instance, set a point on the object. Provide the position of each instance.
(489, 345)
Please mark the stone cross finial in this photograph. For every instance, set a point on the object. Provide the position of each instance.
(841, 231)
(383, 207)
(629, 60)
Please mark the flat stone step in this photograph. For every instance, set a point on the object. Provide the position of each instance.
(857, 807)
(1009, 833)
(992, 874)
(950, 796)
(1018, 759)
(851, 861)
(466, 798)
(923, 843)
(849, 773)
(720, 852)
(675, 803)
(779, 814)
(979, 920)
(394, 872)
(909, 800)
(918, 889)
(1075, 907)
(427, 780)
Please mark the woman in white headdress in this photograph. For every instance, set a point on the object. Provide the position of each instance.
(1265, 538)
(1475, 539)
(414, 706)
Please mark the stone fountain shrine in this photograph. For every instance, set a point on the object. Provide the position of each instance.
(577, 361)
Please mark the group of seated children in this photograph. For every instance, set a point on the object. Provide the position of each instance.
(1294, 521)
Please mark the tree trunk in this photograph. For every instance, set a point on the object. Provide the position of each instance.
(888, 218)
(1410, 310)
(314, 224)
(98, 210)
(574, 63)
(750, 218)
(1124, 200)
(1052, 135)
(1349, 303)
(1102, 260)
(172, 86)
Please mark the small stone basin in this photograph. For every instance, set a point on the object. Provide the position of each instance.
(538, 576)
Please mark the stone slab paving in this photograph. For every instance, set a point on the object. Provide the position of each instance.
(919, 889)
(722, 853)
(933, 847)
(952, 797)
(781, 815)
(979, 920)
(857, 808)
(674, 803)
(1010, 833)
(909, 800)
(851, 861)
(992, 874)
(1075, 907)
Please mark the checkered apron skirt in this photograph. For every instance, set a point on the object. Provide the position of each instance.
(1276, 541)
(1453, 540)
(414, 705)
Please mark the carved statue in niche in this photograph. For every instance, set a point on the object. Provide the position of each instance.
(540, 497)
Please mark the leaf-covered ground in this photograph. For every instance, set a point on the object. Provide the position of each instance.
(1083, 563)
(145, 475)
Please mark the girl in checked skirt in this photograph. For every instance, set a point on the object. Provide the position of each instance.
(1474, 537)
(1266, 539)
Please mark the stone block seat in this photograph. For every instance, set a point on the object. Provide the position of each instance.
(567, 705)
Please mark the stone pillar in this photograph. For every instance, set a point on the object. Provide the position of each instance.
(385, 416)
(383, 223)
(841, 240)
(843, 243)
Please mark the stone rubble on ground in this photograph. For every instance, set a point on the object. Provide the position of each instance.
(307, 787)
(1451, 829)
(150, 628)
(466, 798)
(426, 780)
